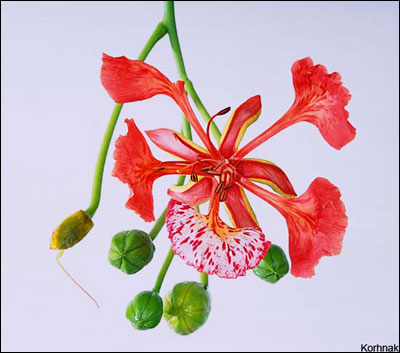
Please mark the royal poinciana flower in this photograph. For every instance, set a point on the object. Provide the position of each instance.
(316, 220)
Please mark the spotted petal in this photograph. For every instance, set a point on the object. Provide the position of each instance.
(202, 248)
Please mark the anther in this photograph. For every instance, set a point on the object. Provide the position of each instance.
(160, 169)
(223, 111)
(219, 188)
(223, 196)
(194, 177)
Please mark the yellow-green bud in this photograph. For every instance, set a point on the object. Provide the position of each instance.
(71, 231)
(187, 307)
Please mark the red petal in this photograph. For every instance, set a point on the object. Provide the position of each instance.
(192, 193)
(132, 80)
(267, 173)
(316, 221)
(320, 100)
(177, 144)
(239, 209)
(205, 250)
(240, 120)
(135, 165)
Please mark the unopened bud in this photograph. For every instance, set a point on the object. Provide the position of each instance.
(273, 266)
(187, 307)
(145, 310)
(131, 250)
(71, 231)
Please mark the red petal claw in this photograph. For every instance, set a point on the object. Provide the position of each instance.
(176, 144)
(193, 194)
(239, 209)
(321, 100)
(206, 251)
(316, 222)
(268, 173)
(240, 120)
(128, 80)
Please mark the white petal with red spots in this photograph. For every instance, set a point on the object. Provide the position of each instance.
(203, 249)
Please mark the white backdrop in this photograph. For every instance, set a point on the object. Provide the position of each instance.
(54, 113)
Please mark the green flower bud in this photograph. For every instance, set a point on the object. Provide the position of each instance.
(131, 250)
(71, 231)
(145, 311)
(187, 307)
(273, 266)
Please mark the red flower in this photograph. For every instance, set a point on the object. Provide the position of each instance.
(316, 220)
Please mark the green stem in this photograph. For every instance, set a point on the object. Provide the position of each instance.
(170, 24)
(204, 279)
(159, 32)
(186, 129)
(161, 219)
(99, 171)
(163, 271)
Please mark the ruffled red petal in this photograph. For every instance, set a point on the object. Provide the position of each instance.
(321, 100)
(241, 119)
(317, 228)
(267, 173)
(205, 250)
(128, 80)
(316, 222)
(177, 144)
(135, 165)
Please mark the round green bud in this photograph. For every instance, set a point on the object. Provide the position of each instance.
(131, 250)
(187, 307)
(145, 310)
(273, 266)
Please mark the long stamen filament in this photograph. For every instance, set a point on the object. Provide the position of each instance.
(221, 112)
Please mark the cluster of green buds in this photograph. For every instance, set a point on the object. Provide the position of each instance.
(187, 306)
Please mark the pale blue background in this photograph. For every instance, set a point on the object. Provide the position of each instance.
(54, 113)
